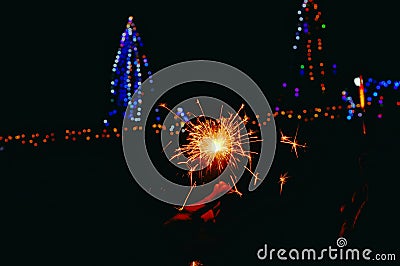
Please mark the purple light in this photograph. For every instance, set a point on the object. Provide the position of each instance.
(296, 89)
(334, 65)
(296, 94)
(284, 85)
(277, 108)
(379, 116)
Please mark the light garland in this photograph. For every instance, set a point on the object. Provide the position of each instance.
(374, 94)
(308, 36)
(130, 68)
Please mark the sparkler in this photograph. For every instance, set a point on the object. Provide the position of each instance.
(215, 144)
(196, 263)
(294, 143)
(282, 181)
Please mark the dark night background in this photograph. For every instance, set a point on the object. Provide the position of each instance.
(77, 204)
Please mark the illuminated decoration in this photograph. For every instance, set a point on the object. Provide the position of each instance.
(130, 68)
(361, 89)
(305, 115)
(70, 135)
(312, 67)
(370, 92)
(32, 139)
(87, 134)
(361, 92)
(309, 45)
(311, 71)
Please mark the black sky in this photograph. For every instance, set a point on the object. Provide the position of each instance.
(56, 59)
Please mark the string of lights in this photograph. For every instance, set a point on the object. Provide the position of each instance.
(374, 94)
(131, 67)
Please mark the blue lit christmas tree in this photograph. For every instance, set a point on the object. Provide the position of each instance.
(130, 69)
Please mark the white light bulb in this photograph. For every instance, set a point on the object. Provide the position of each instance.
(357, 81)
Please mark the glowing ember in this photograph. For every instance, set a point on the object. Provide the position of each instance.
(294, 143)
(196, 263)
(282, 181)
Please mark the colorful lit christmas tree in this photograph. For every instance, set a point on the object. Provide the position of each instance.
(310, 71)
(130, 69)
(310, 54)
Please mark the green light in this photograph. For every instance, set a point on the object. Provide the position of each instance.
(302, 66)
(323, 26)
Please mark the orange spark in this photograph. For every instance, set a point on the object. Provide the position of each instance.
(256, 178)
(294, 143)
(166, 146)
(282, 181)
(235, 188)
(365, 190)
(284, 138)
